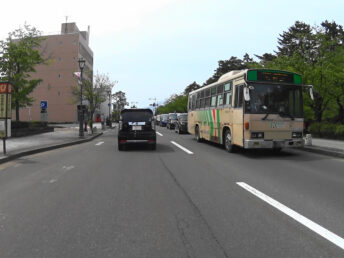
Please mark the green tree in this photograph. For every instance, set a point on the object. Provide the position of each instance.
(19, 55)
(120, 101)
(226, 66)
(317, 54)
(191, 87)
(94, 91)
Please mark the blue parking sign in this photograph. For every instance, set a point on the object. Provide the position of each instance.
(44, 104)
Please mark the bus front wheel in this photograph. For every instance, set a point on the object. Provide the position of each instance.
(228, 141)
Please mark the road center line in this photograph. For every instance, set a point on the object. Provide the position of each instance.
(181, 147)
(159, 133)
(99, 143)
(335, 239)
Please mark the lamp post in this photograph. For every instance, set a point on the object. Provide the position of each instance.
(81, 112)
(110, 117)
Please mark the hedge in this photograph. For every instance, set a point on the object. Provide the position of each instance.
(327, 130)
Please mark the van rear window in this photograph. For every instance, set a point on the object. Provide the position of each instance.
(139, 116)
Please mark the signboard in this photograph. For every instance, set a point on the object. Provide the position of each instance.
(5, 110)
(44, 104)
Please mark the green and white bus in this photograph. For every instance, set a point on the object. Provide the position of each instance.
(254, 108)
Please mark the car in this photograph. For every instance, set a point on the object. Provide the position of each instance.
(181, 125)
(172, 118)
(136, 126)
(163, 120)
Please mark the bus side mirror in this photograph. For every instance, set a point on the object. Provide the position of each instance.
(246, 94)
(311, 93)
(310, 88)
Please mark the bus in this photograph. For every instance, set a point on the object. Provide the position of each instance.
(251, 109)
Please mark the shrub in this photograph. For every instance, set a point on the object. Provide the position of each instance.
(327, 130)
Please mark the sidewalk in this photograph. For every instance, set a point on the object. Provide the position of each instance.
(64, 135)
(328, 147)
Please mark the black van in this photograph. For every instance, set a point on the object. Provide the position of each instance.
(136, 126)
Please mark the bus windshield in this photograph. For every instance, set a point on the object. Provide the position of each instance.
(285, 100)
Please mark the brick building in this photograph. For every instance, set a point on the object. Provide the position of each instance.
(63, 51)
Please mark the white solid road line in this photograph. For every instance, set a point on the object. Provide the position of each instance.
(181, 147)
(99, 143)
(335, 239)
(159, 133)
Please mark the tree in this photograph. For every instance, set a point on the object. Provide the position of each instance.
(18, 57)
(120, 101)
(193, 86)
(226, 66)
(94, 91)
(317, 54)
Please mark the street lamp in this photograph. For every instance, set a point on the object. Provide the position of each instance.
(155, 104)
(110, 117)
(81, 112)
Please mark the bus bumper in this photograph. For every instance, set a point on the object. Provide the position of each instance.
(273, 144)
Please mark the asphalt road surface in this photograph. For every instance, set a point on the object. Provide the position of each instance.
(186, 199)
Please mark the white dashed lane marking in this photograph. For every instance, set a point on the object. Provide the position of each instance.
(333, 238)
(182, 148)
(99, 143)
(160, 134)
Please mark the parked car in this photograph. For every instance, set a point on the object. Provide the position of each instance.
(136, 126)
(158, 118)
(172, 118)
(181, 125)
(163, 120)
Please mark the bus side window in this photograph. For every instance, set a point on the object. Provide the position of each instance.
(238, 96)
(219, 100)
(194, 102)
(198, 100)
(228, 98)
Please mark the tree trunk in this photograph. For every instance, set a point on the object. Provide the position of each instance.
(340, 111)
(17, 110)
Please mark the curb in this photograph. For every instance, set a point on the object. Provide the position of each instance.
(324, 151)
(48, 148)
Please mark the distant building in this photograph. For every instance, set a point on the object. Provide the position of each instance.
(63, 51)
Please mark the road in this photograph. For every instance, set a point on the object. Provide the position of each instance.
(186, 199)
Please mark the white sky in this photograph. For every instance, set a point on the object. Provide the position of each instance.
(155, 48)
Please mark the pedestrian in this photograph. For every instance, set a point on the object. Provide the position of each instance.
(86, 120)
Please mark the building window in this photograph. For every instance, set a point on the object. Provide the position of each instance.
(59, 93)
(59, 75)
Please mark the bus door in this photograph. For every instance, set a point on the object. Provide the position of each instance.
(238, 116)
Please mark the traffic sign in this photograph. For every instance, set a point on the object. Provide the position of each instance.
(44, 104)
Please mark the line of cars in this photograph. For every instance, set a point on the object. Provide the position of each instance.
(176, 121)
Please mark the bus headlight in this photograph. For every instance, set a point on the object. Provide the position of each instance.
(296, 135)
(257, 135)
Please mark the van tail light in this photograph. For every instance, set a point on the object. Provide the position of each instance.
(247, 125)
(151, 141)
(123, 141)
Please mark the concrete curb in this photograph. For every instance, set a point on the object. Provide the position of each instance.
(325, 151)
(47, 148)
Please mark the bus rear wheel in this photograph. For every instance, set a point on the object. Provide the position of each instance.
(198, 137)
(228, 142)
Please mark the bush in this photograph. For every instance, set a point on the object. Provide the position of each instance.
(327, 130)
(33, 124)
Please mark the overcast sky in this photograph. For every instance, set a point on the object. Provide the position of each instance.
(155, 48)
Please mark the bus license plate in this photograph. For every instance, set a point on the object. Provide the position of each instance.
(137, 127)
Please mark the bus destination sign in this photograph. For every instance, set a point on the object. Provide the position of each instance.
(273, 76)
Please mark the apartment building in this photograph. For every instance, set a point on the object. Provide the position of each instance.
(63, 51)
